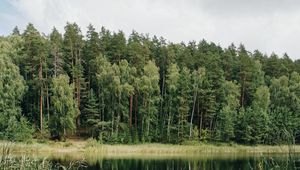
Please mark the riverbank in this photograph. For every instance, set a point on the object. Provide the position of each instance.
(93, 147)
(90, 154)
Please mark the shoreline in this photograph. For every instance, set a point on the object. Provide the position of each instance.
(93, 147)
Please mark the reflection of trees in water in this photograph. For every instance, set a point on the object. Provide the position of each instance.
(251, 162)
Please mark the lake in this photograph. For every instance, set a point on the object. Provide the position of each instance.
(188, 162)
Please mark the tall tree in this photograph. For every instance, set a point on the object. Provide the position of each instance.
(198, 77)
(104, 74)
(149, 89)
(73, 44)
(172, 99)
(63, 106)
(16, 31)
(56, 52)
(227, 116)
(35, 54)
(92, 115)
(137, 53)
(12, 86)
(184, 103)
(91, 51)
(254, 122)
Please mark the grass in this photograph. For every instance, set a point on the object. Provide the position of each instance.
(92, 146)
(8, 160)
(91, 151)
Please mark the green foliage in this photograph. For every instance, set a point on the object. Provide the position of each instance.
(228, 113)
(172, 81)
(255, 120)
(144, 89)
(149, 88)
(18, 130)
(64, 106)
(12, 89)
(184, 102)
(56, 52)
(285, 107)
(91, 112)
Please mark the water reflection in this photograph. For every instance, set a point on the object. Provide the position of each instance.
(211, 162)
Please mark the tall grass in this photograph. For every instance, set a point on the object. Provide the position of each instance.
(291, 156)
(8, 161)
(92, 146)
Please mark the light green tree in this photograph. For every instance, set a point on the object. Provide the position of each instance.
(13, 125)
(149, 89)
(228, 113)
(198, 78)
(63, 106)
(172, 97)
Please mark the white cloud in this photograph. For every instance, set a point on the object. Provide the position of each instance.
(270, 25)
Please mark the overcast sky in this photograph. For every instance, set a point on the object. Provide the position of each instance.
(267, 25)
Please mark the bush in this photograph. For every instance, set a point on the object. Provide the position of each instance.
(191, 142)
(91, 143)
(18, 130)
(67, 144)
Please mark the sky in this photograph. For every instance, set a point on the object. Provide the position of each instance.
(266, 25)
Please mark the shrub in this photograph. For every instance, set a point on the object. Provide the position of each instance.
(18, 130)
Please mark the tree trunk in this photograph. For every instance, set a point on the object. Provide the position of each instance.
(200, 122)
(41, 95)
(148, 122)
(55, 64)
(130, 115)
(169, 121)
(243, 92)
(142, 119)
(78, 100)
(135, 113)
(47, 95)
(103, 109)
(162, 115)
(41, 110)
(112, 118)
(118, 115)
(48, 104)
(192, 116)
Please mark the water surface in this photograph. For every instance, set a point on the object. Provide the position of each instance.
(187, 162)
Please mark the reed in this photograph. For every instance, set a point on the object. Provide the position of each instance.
(92, 146)
(9, 161)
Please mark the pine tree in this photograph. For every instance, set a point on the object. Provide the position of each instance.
(137, 53)
(56, 52)
(184, 103)
(35, 54)
(73, 44)
(16, 31)
(92, 115)
(91, 51)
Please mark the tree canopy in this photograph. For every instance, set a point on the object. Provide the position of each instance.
(137, 88)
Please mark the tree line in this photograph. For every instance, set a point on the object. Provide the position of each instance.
(144, 89)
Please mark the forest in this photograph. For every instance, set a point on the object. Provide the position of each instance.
(141, 89)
